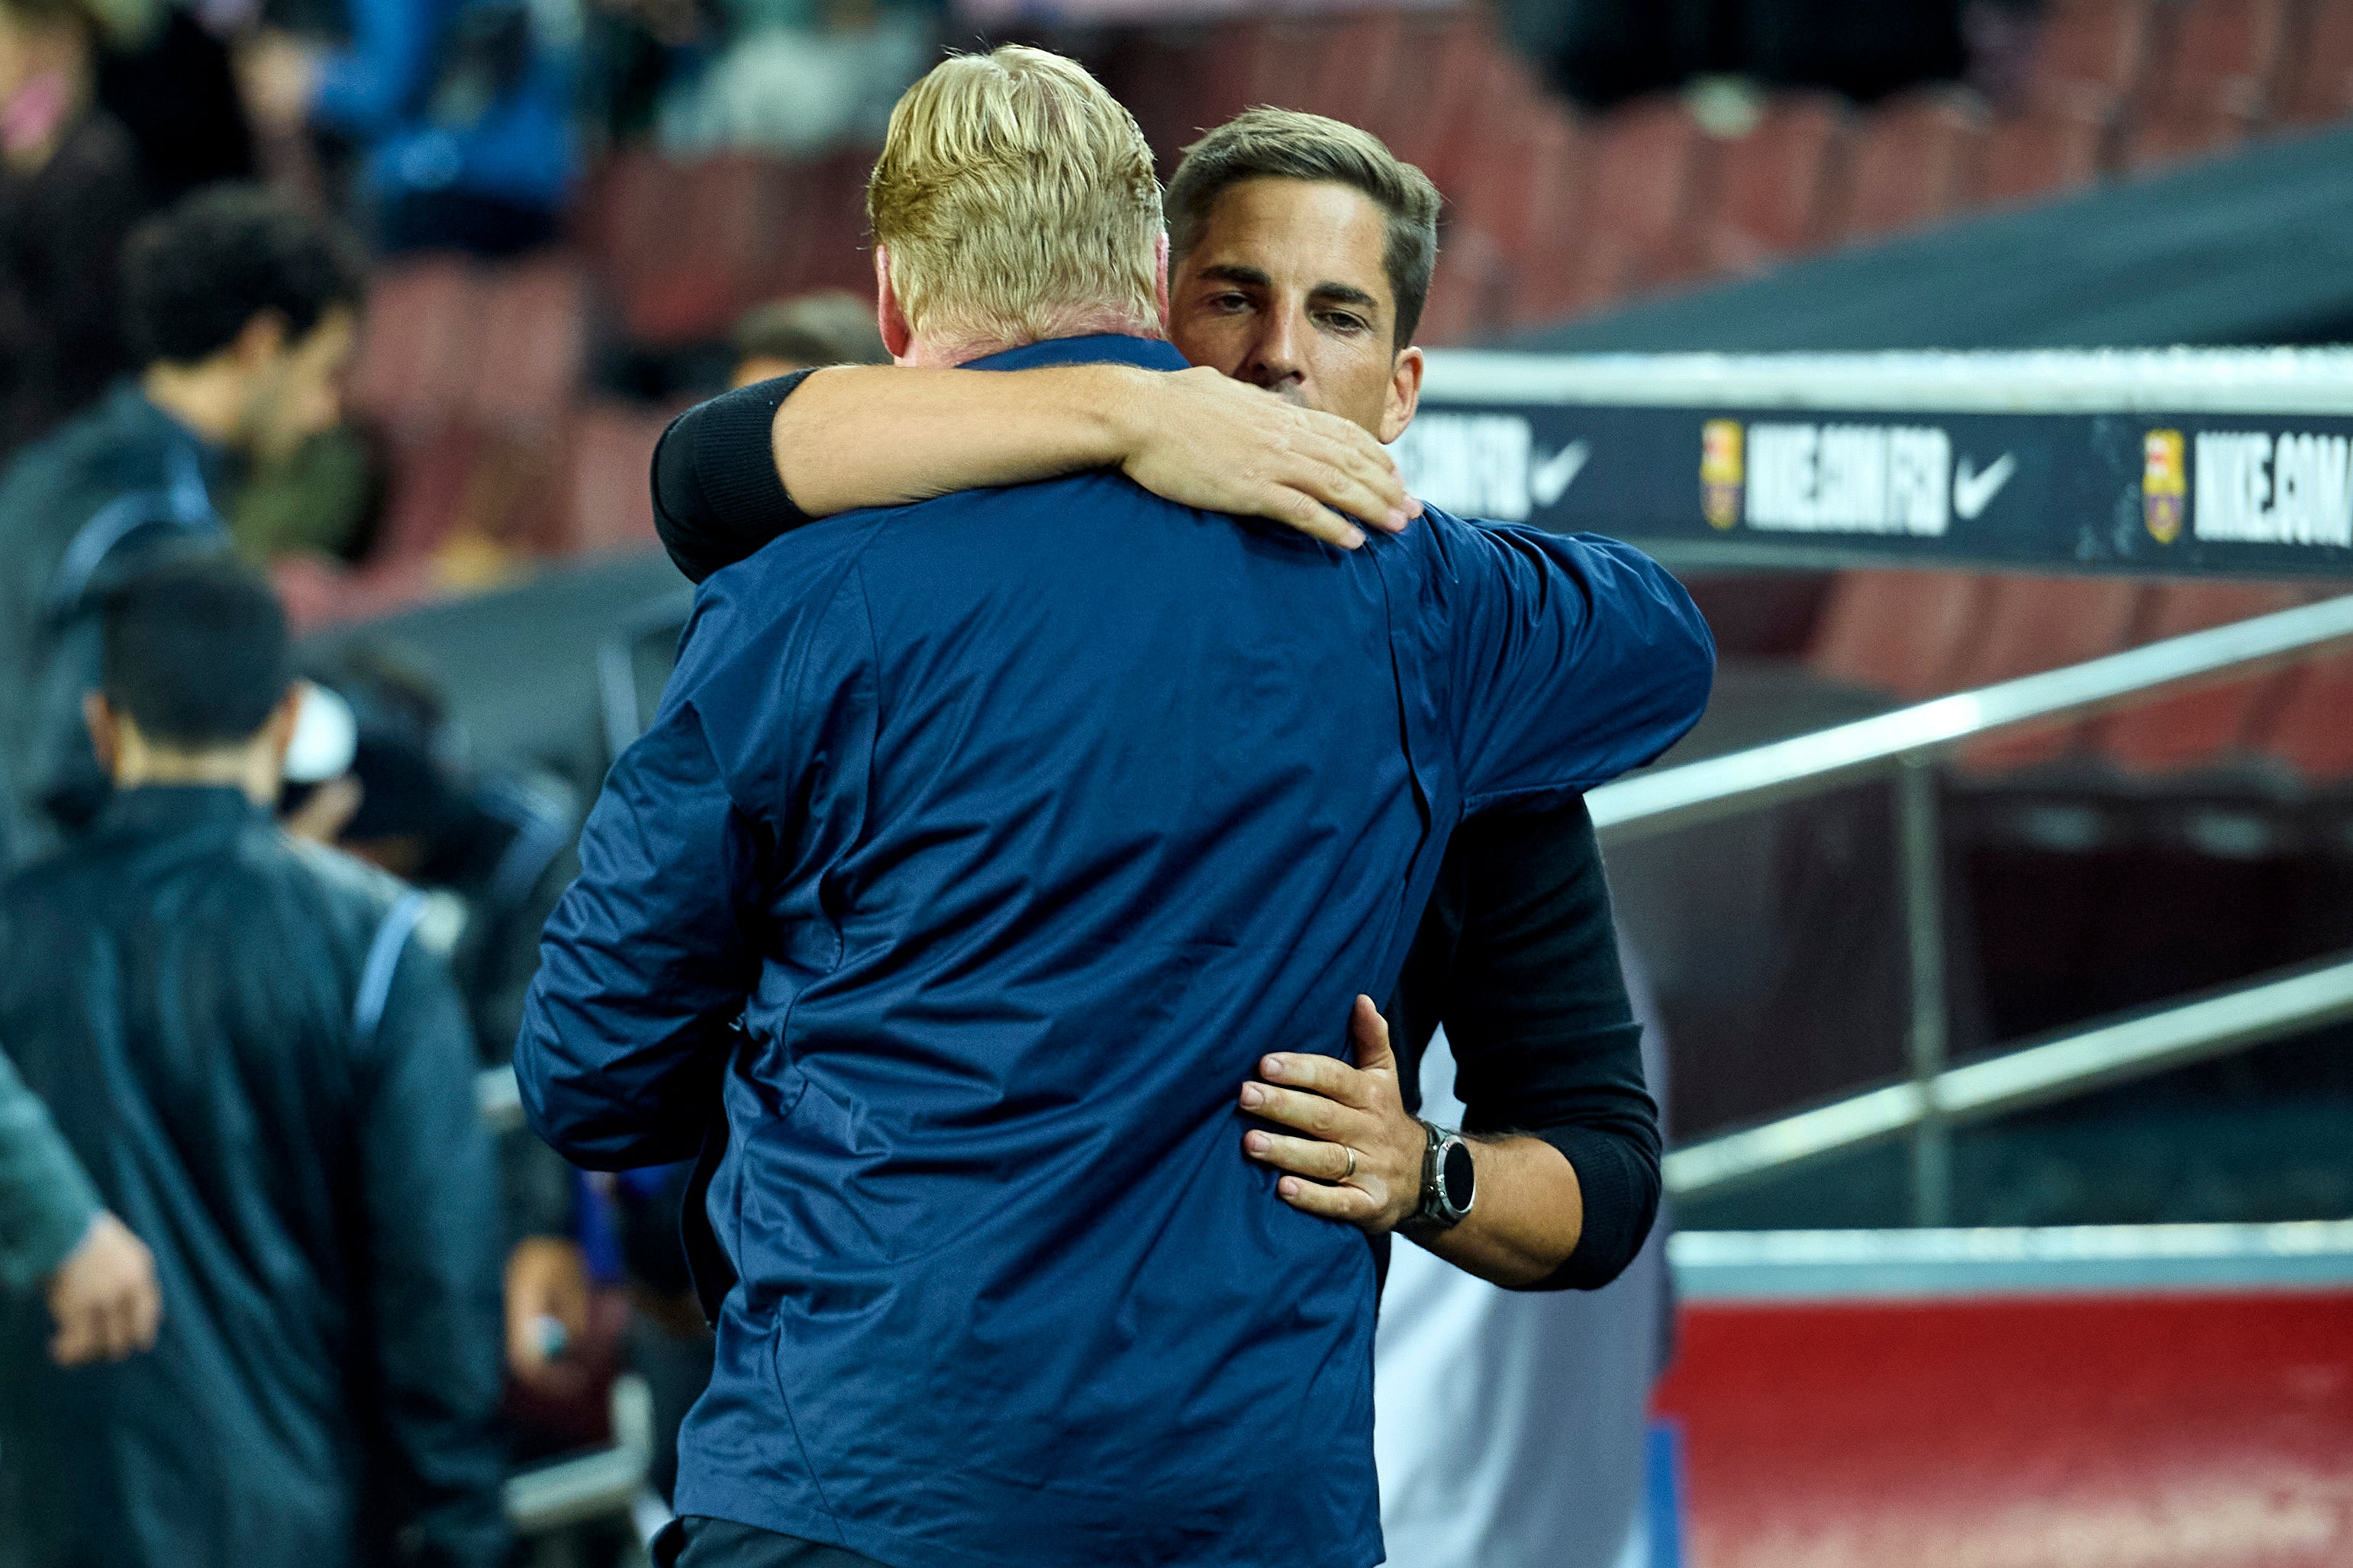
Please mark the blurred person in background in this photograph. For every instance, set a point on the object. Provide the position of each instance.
(464, 108)
(267, 1070)
(97, 1278)
(800, 78)
(243, 309)
(497, 845)
(164, 73)
(827, 326)
(617, 1068)
(71, 191)
(1302, 253)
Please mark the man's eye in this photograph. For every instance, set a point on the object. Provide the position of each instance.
(1341, 321)
(1229, 302)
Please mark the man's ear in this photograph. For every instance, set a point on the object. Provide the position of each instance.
(1405, 394)
(278, 732)
(1160, 276)
(897, 336)
(105, 729)
(259, 341)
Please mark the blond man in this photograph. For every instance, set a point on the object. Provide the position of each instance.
(1012, 830)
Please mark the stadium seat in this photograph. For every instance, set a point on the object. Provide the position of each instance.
(1358, 57)
(2037, 155)
(422, 345)
(2319, 78)
(1898, 632)
(1650, 161)
(1915, 160)
(2033, 624)
(1444, 58)
(607, 504)
(2216, 82)
(1544, 250)
(2201, 726)
(2089, 57)
(2309, 731)
(1775, 187)
(534, 344)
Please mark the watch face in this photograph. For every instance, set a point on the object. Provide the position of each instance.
(1456, 1171)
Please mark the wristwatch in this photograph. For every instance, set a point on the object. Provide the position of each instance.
(1449, 1174)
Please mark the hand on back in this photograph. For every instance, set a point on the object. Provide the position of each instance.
(103, 1297)
(1205, 440)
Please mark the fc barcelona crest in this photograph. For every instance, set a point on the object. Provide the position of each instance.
(1721, 472)
(2164, 485)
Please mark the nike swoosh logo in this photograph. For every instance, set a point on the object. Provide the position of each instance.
(1549, 479)
(1973, 491)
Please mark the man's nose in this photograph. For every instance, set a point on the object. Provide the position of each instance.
(1276, 360)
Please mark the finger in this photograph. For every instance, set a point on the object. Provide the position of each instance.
(1349, 447)
(120, 1329)
(1328, 1076)
(1351, 1204)
(147, 1316)
(1302, 1156)
(1333, 476)
(74, 1342)
(1319, 1114)
(1371, 1032)
(1303, 511)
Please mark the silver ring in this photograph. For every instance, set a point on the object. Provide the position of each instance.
(1352, 1162)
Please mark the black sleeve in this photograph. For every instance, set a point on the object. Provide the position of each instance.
(717, 495)
(1535, 1006)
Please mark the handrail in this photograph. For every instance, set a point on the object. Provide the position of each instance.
(2015, 1080)
(1650, 804)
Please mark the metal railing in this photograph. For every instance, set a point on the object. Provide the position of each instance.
(1905, 746)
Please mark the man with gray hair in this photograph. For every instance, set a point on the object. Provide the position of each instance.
(981, 849)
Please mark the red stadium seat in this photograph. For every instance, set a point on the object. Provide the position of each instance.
(1775, 185)
(608, 504)
(1445, 55)
(2198, 726)
(1915, 161)
(421, 346)
(1898, 632)
(1358, 57)
(2089, 57)
(2312, 728)
(2216, 83)
(2038, 155)
(1545, 248)
(2319, 86)
(2034, 624)
(533, 343)
(1650, 161)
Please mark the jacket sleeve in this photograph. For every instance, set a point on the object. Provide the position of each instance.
(718, 498)
(644, 965)
(1543, 1034)
(1569, 658)
(45, 1200)
(428, 1188)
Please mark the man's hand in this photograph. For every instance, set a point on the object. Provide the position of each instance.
(103, 1297)
(1202, 440)
(1361, 1160)
(547, 1304)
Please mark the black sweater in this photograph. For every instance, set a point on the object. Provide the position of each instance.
(1516, 955)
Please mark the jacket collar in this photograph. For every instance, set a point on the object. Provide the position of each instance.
(175, 808)
(1106, 348)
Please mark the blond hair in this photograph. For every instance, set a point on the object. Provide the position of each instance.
(1017, 200)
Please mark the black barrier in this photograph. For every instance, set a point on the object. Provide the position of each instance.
(2244, 492)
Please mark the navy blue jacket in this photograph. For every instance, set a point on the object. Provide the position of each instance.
(1016, 826)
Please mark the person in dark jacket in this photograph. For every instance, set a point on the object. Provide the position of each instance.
(243, 309)
(1012, 833)
(464, 107)
(1516, 953)
(71, 190)
(267, 1070)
